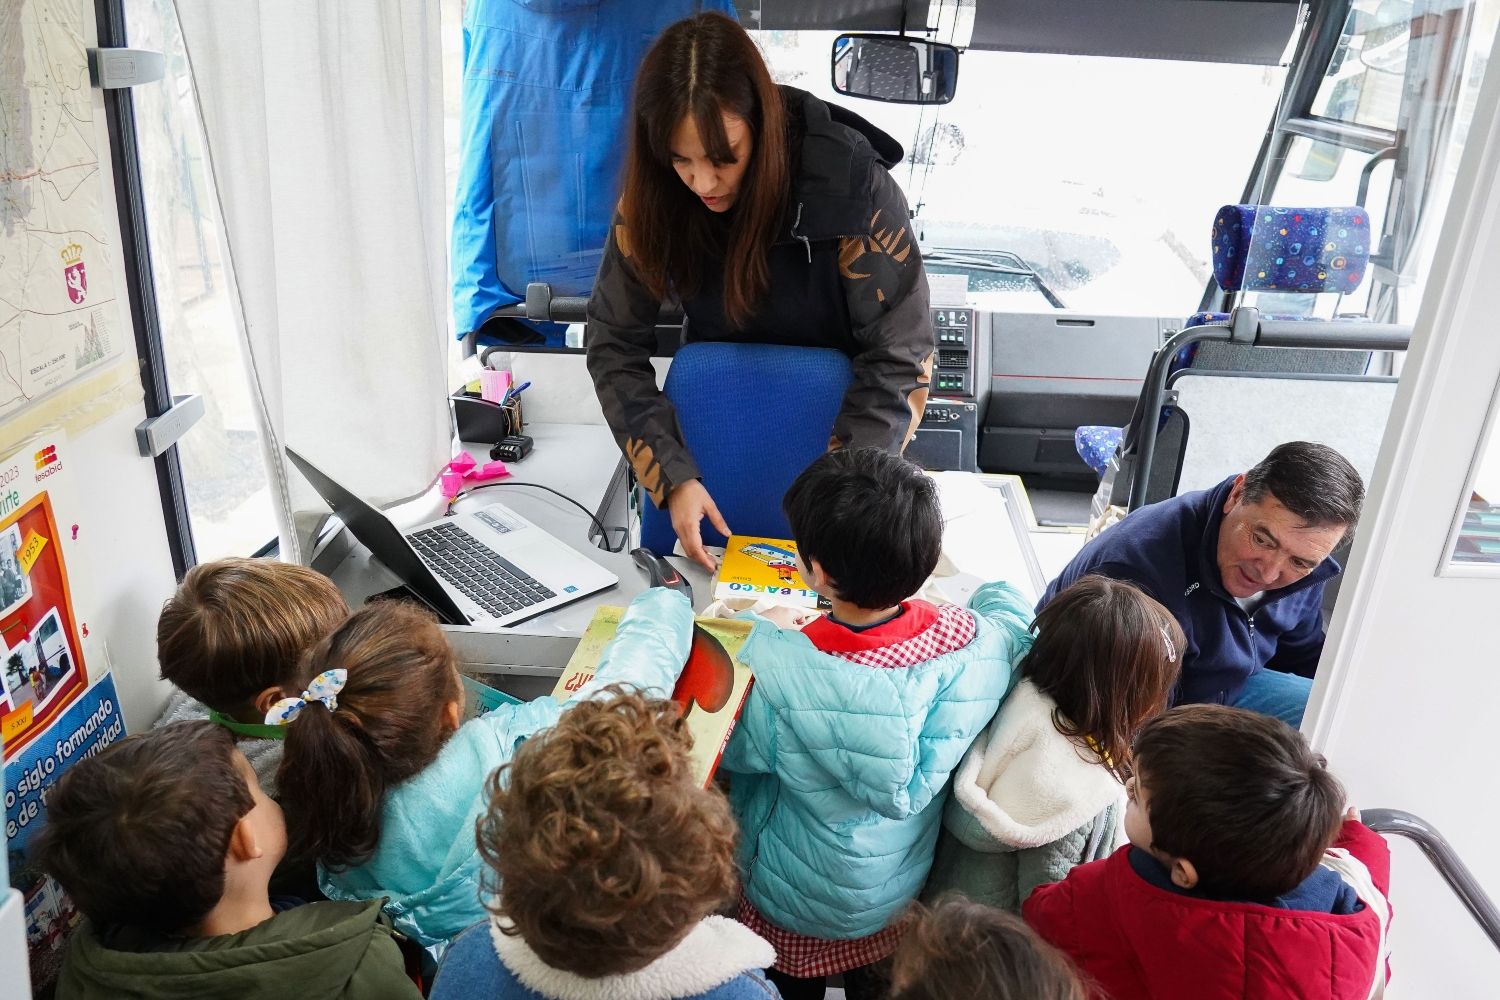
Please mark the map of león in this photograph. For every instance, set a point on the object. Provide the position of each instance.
(58, 303)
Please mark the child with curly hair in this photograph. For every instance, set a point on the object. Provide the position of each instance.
(610, 862)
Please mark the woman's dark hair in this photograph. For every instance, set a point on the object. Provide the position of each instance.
(606, 849)
(702, 68)
(1109, 655)
(388, 726)
(1239, 794)
(138, 835)
(963, 950)
(871, 519)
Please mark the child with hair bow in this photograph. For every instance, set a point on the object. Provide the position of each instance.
(382, 785)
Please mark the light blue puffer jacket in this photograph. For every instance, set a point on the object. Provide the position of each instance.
(841, 770)
(428, 864)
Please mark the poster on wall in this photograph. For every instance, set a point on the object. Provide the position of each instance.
(57, 701)
(58, 299)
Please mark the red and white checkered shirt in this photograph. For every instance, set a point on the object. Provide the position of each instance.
(920, 633)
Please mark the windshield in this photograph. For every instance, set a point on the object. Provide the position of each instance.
(1102, 174)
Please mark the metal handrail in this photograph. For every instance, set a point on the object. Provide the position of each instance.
(1447, 862)
(1244, 327)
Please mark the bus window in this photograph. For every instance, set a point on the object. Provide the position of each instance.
(1363, 83)
(1089, 169)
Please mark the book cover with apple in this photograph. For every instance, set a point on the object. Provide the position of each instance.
(711, 690)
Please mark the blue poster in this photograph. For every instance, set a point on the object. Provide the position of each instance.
(89, 725)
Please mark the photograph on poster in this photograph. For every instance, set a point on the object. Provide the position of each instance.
(37, 666)
(14, 586)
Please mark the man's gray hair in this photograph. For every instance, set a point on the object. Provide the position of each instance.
(1312, 481)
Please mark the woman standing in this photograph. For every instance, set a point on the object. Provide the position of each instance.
(771, 217)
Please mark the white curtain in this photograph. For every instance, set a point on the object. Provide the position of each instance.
(324, 127)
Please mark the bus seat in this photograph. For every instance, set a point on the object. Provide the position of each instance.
(753, 416)
(1262, 248)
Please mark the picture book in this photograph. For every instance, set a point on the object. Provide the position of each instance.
(712, 689)
(755, 568)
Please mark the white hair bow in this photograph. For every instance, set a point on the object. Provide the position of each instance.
(323, 689)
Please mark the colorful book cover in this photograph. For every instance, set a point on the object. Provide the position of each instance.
(712, 689)
(754, 568)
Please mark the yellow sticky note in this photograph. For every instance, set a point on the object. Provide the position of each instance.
(29, 552)
(12, 724)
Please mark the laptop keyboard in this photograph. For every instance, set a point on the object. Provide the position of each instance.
(496, 584)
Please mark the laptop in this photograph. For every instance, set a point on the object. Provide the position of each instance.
(487, 567)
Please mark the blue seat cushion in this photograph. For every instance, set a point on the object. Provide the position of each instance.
(1096, 443)
(1264, 248)
(753, 416)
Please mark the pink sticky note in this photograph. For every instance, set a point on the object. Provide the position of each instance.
(462, 463)
(450, 482)
(489, 470)
(493, 385)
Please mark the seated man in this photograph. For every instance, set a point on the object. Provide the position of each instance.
(1242, 567)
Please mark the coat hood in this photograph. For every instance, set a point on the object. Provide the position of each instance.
(1023, 784)
(834, 152)
(318, 947)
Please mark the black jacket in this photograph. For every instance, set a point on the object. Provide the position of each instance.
(846, 273)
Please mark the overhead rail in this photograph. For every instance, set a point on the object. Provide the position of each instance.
(1245, 327)
(1445, 859)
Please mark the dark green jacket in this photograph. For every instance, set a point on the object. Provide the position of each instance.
(318, 951)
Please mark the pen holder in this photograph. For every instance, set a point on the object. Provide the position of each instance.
(479, 421)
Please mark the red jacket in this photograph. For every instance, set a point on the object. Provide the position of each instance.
(1140, 942)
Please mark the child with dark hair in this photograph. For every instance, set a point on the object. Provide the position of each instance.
(962, 950)
(166, 843)
(231, 640)
(1042, 789)
(1244, 876)
(382, 784)
(842, 757)
(610, 862)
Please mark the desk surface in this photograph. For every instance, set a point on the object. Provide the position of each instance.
(578, 460)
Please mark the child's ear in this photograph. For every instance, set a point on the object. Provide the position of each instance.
(1184, 875)
(269, 697)
(243, 845)
(818, 577)
(452, 711)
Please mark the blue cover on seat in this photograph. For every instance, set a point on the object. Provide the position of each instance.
(1261, 248)
(753, 416)
(543, 130)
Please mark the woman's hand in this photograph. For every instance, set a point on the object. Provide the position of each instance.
(688, 504)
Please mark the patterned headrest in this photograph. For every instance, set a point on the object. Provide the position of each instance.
(1260, 248)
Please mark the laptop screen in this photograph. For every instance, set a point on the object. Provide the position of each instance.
(384, 540)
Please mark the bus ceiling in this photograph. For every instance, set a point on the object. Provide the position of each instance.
(1229, 31)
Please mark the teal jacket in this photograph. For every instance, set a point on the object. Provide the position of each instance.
(841, 770)
(427, 863)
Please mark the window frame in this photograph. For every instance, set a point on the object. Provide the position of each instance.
(145, 318)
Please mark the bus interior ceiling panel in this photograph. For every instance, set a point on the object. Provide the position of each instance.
(833, 15)
(1232, 31)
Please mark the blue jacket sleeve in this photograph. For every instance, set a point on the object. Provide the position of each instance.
(1003, 607)
(650, 647)
(647, 652)
(1299, 649)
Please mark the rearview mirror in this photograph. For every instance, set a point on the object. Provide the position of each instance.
(895, 68)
